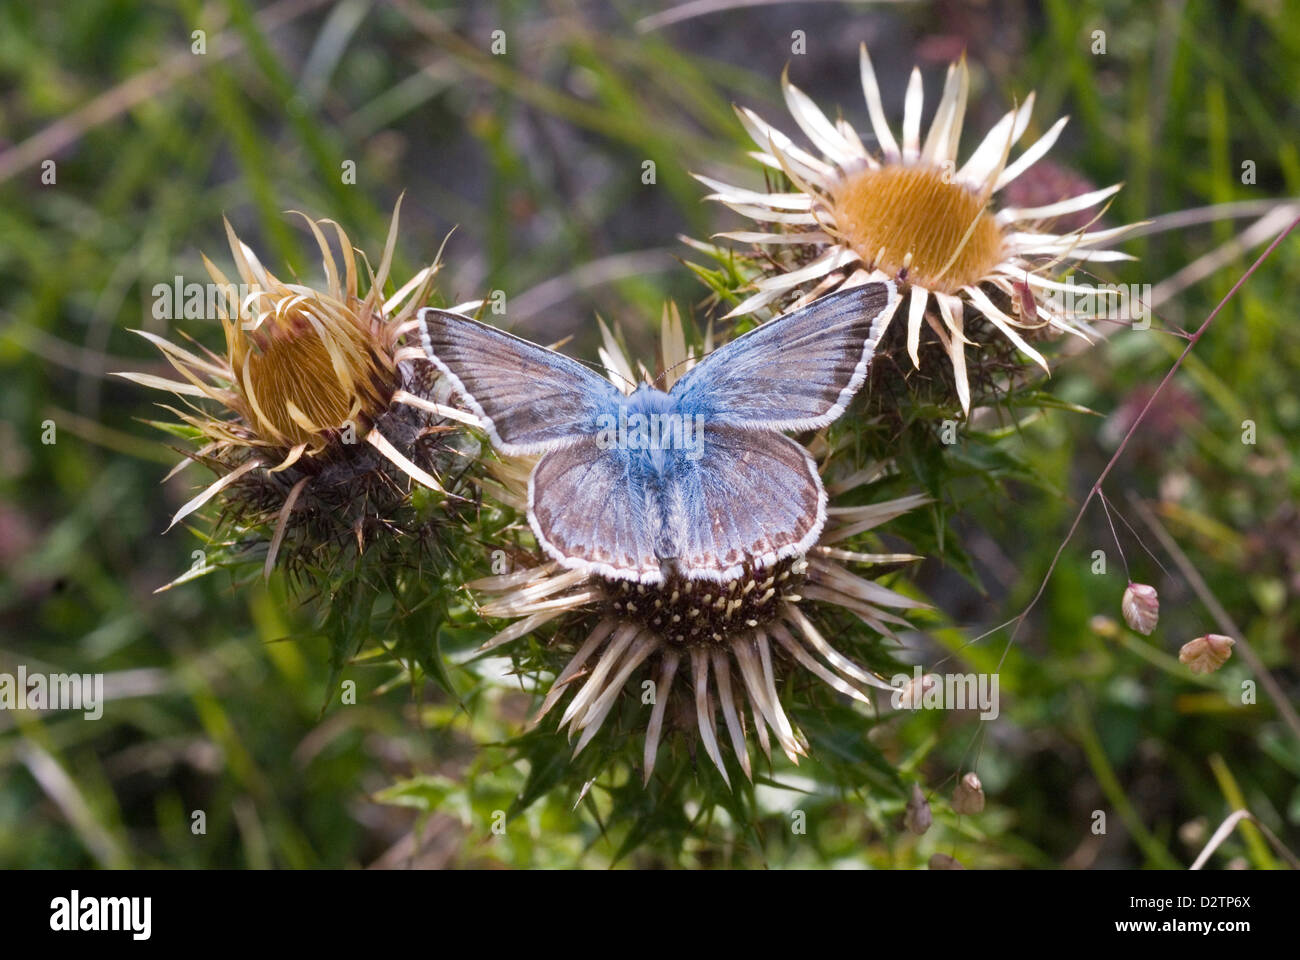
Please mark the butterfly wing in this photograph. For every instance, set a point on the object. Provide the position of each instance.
(530, 399)
(797, 372)
(751, 496)
(591, 509)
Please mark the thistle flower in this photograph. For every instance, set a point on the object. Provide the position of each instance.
(315, 404)
(706, 646)
(913, 215)
(1208, 653)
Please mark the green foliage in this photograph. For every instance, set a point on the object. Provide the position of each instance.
(537, 157)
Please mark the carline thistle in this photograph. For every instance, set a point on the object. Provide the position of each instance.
(708, 553)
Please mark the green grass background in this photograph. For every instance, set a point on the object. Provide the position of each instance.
(536, 157)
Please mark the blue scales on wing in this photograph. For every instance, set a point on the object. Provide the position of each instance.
(585, 505)
(530, 399)
(797, 372)
(753, 497)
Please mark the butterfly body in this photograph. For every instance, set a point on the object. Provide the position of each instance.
(656, 425)
(698, 482)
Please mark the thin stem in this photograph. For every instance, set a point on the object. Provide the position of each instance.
(1143, 543)
(1226, 828)
(1192, 341)
(1155, 852)
(1106, 508)
(1220, 615)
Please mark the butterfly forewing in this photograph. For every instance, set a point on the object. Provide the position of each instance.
(797, 372)
(530, 399)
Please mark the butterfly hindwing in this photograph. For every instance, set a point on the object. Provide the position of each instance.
(529, 398)
(591, 509)
(797, 372)
(752, 496)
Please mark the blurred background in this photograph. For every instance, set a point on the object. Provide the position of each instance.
(536, 157)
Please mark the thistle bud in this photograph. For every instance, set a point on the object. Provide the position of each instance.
(1206, 654)
(969, 795)
(941, 861)
(917, 818)
(1141, 607)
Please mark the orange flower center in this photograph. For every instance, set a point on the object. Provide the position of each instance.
(888, 214)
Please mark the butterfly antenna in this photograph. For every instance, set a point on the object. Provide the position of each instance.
(680, 363)
(607, 371)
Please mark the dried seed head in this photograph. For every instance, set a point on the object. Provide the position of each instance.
(1103, 626)
(1206, 654)
(917, 818)
(914, 691)
(1141, 607)
(969, 795)
(1192, 833)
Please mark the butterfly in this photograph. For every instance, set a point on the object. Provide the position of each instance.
(698, 481)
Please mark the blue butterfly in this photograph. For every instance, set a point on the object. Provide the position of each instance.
(700, 480)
